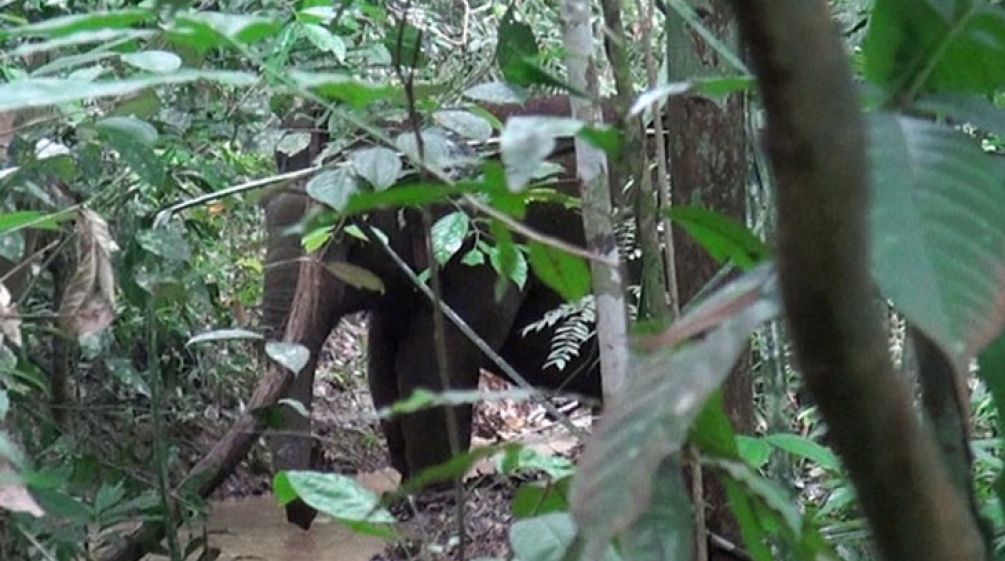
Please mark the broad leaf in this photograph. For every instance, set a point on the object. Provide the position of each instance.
(19, 220)
(912, 44)
(324, 40)
(355, 276)
(340, 87)
(160, 62)
(449, 233)
(465, 123)
(526, 142)
(938, 241)
(333, 187)
(378, 165)
(566, 274)
(336, 495)
(67, 25)
(39, 92)
(665, 391)
(664, 530)
(133, 129)
(207, 29)
(291, 356)
(801, 446)
(976, 111)
(724, 239)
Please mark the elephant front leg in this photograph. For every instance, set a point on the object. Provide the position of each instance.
(470, 291)
(384, 335)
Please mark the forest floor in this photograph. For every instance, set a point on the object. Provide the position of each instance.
(345, 424)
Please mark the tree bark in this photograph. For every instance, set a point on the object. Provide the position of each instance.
(591, 169)
(708, 167)
(816, 143)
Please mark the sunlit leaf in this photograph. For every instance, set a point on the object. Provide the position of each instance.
(160, 62)
(324, 40)
(449, 233)
(336, 495)
(291, 356)
(225, 335)
(526, 142)
(801, 446)
(65, 25)
(207, 29)
(39, 92)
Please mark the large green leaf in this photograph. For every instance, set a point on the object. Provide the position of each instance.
(938, 238)
(206, 29)
(666, 390)
(39, 92)
(719, 235)
(68, 25)
(448, 235)
(336, 495)
(929, 46)
(566, 274)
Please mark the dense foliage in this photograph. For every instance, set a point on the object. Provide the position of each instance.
(137, 139)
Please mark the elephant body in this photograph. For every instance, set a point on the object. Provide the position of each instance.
(400, 336)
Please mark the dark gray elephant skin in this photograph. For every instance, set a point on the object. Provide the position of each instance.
(400, 337)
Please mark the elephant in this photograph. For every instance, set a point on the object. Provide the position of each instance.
(400, 335)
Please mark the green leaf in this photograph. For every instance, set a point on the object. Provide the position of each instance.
(333, 187)
(754, 450)
(465, 123)
(13, 221)
(436, 148)
(378, 165)
(516, 42)
(336, 495)
(720, 236)
(566, 274)
(991, 370)
(291, 356)
(410, 195)
(664, 393)
(80, 38)
(520, 458)
(204, 30)
(159, 62)
(66, 25)
(937, 238)
(355, 276)
(340, 87)
(473, 258)
(39, 92)
(505, 258)
(324, 40)
(526, 142)
(135, 130)
(224, 335)
(801, 446)
(912, 45)
(405, 45)
(543, 538)
(537, 498)
(449, 233)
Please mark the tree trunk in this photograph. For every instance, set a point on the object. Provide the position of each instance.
(591, 169)
(708, 167)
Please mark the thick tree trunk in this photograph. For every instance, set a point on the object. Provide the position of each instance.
(708, 167)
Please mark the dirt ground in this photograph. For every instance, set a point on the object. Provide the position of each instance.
(351, 443)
